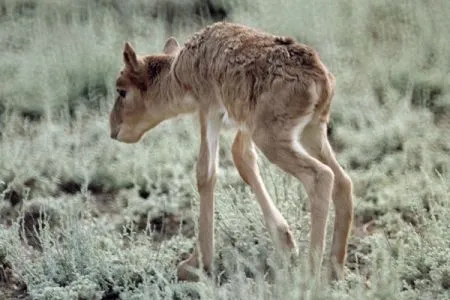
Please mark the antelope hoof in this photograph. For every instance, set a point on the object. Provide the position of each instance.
(188, 269)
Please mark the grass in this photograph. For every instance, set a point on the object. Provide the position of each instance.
(84, 217)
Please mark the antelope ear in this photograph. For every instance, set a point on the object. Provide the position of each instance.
(129, 57)
(171, 47)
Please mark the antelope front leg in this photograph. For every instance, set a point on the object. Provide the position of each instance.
(206, 179)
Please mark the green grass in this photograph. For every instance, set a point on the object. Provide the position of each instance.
(85, 217)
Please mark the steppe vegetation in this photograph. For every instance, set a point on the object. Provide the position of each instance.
(85, 217)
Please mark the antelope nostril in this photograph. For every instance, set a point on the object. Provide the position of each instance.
(114, 134)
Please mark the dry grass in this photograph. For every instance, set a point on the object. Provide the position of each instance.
(84, 217)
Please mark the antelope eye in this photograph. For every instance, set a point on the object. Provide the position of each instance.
(122, 93)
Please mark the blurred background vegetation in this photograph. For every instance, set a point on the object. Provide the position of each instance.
(84, 217)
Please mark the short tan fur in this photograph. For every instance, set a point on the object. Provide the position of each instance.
(277, 92)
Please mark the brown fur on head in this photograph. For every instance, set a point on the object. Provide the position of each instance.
(141, 93)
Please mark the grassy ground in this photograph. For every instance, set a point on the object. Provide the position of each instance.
(84, 217)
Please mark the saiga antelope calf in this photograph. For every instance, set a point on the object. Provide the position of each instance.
(277, 91)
